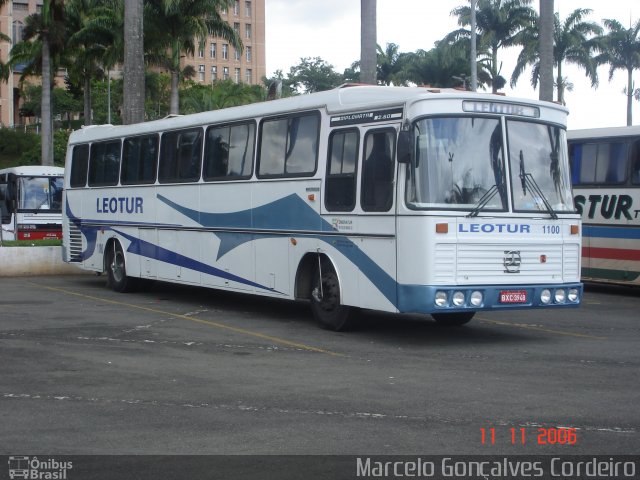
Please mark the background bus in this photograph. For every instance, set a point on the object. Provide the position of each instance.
(386, 198)
(31, 202)
(605, 171)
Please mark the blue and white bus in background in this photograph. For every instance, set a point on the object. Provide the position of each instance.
(393, 199)
(605, 169)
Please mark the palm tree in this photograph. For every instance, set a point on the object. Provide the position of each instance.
(443, 66)
(620, 49)
(42, 45)
(173, 27)
(391, 65)
(368, 42)
(572, 44)
(545, 31)
(134, 92)
(90, 26)
(499, 23)
(222, 94)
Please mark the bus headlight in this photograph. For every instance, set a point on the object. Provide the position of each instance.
(476, 298)
(572, 296)
(560, 296)
(441, 299)
(458, 299)
(545, 296)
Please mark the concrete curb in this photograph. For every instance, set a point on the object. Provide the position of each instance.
(22, 261)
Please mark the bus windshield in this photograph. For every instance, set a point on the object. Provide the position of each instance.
(538, 158)
(40, 193)
(459, 163)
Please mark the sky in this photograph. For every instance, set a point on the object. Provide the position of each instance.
(330, 29)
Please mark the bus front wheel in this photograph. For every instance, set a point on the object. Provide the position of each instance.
(453, 319)
(117, 270)
(325, 301)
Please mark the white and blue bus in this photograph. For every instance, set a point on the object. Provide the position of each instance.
(31, 203)
(386, 198)
(605, 169)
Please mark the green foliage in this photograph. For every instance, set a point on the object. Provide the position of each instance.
(100, 92)
(13, 142)
(63, 103)
(158, 94)
(60, 141)
(201, 98)
(314, 75)
(23, 148)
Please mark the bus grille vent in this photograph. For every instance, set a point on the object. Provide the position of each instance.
(75, 244)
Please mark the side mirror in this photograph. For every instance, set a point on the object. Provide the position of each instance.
(405, 146)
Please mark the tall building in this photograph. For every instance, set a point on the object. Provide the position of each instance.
(216, 61)
(12, 19)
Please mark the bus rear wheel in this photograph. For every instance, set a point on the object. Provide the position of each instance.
(117, 277)
(325, 301)
(453, 319)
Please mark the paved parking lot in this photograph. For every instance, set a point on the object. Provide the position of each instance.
(180, 370)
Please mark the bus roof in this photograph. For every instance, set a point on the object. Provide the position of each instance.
(35, 171)
(347, 98)
(604, 132)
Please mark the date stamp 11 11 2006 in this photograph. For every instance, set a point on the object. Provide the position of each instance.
(525, 436)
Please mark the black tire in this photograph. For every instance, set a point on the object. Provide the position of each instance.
(453, 319)
(325, 303)
(117, 277)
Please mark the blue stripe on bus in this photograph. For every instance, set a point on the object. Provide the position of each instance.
(149, 250)
(621, 232)
(286, 214)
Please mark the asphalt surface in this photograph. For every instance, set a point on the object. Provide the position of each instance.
(185, 370)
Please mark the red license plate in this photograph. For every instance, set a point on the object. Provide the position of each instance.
(513, 296)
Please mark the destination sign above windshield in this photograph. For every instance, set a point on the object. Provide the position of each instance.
(500, 108)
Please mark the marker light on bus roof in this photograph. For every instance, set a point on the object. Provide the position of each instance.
(575, 229)
(442, 228)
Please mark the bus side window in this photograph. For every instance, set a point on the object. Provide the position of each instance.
(139, 160)
(79, 166)
(289, 146)
(586, 155)
(104, 163)
(340, 183)
(635, 163)
(617, 162)
(180, 156)
(377, 171)
(228, 151)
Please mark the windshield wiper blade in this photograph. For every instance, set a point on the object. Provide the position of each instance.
(484, 200)
(528, 181)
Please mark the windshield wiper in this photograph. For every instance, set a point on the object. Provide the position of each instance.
(527, 180)
(484, 200)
